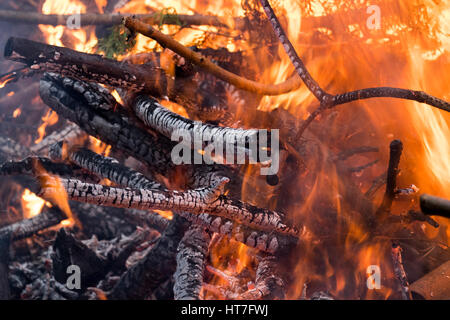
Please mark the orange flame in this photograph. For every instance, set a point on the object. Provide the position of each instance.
(49, 119)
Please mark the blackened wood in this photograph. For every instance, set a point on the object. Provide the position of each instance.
(68, 98)
(84, 66)
(155, 268)
(29, 227)
(191, 255)
(70, 251)
(105, 167)
(434, 206)
(209, 200)
(399, 271)
(396, 148)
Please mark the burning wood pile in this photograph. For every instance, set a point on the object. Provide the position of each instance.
(208, 157)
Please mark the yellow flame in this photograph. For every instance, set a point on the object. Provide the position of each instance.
(49, 119)
(32, 204)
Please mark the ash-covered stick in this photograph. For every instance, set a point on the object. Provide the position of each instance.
(29, 227)
(272, 242)
(105, 167)
(267, 284)
(167, 123)
(399, 271)
(71, 133)
(396, 148)
(191, 256)
(91, 108)
(209, 200)
(435, 206)
(155, 268)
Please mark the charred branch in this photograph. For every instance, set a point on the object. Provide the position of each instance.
(85, 67)
(434, 206)
(105, 167)
(328, 100)
(204, 200)
(191, 256)
(396, 148)
(399, 271)
(29, 227)
(167, 123)
(303, 73)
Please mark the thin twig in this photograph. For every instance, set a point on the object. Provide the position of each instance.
(196, 58)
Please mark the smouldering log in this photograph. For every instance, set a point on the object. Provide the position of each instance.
(65, 96)
(151, 219)
(204, 200)
(191, 256)
(268, 284)
(104, 166)
(396, 148)
(29, 227)
(155, 268)
(434, 206)
(75, 101)
(103, 222)
(434, 285)
(167, 123)
(399, 271)
(199, 60)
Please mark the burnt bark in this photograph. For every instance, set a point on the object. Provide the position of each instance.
(155, 268)
(192, 252)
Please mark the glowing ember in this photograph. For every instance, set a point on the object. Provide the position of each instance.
(17, 112)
